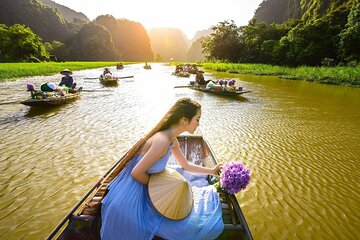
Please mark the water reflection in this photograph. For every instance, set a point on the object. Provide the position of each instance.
(299, 139)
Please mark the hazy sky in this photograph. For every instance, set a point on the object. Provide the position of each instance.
(187, 15)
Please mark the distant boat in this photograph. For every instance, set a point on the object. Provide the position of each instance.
(119, 66)
(83, 221)
(108, 79)
(220, 92)
(181, 74)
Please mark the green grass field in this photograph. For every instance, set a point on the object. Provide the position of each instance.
(12, 71)
(348, 76)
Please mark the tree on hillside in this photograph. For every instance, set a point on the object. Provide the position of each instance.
(349, 47)
(19, 44)
(45, 21)
(224, 43)
(261, 41)
(309, 44)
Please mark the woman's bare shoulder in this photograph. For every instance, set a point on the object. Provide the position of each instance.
(161, 138)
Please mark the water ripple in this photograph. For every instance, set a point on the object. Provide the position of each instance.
(300, 141)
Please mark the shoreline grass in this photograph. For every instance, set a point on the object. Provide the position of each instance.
(345, 76)
(13, 71)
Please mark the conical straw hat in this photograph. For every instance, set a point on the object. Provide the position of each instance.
(170, 194)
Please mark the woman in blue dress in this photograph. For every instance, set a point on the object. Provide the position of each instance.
(127, 212)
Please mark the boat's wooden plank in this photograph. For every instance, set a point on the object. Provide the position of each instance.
(197, 150)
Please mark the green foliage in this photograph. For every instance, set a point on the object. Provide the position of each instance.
(278, 11)
(43, 20)
(349, 76)
(349, 44)
(10, 71)
(224, 43)
(310, 43)
(20, 44)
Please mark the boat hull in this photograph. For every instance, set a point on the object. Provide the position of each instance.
(223, 93)
(109, 81)
(83, 221)
(51, 101)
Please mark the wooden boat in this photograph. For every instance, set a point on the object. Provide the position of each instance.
(83, 221)
(119, 66)
(52, 100)
(221, 92)
(182, 74)
(109, 80)
(218, 91)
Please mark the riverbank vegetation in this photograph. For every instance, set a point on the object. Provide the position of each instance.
(12, 71)
(348, 76)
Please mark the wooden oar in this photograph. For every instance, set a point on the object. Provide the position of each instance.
(185, 86)
(118, 77)
(96, 90)
(7, 103)
(126, 77)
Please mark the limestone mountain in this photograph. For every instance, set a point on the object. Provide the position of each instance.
(202, 33)
(279, 11)
(170, 44)
(69, 14)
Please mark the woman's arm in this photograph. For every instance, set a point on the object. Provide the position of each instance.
(158, 148)
(186, 165)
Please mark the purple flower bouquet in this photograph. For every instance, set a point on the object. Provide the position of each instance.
(233, 177)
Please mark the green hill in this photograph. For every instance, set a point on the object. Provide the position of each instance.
(278, 11)
(46, 22)
(70, 15)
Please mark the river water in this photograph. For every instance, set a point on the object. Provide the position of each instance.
(299, 139)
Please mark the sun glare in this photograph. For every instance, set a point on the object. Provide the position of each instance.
(189, 16)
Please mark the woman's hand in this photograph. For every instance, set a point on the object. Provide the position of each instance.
(217, 168)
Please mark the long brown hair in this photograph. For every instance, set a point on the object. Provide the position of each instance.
(183, 107)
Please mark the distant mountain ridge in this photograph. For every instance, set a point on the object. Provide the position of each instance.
(169, 43)
(201, 34)
(54, 22)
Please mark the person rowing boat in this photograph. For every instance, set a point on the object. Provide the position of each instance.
(200, 80)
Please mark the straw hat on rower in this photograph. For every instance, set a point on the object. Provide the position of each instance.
(170, 194)
(66, 71)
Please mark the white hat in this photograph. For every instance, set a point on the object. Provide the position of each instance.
(51, 85)
(170, 194)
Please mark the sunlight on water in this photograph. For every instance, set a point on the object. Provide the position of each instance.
(300, 140)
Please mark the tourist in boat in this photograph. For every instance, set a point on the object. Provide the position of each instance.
(200, 80)
(106, 71)
(178, 69)
(127, 211)
(51, 87)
